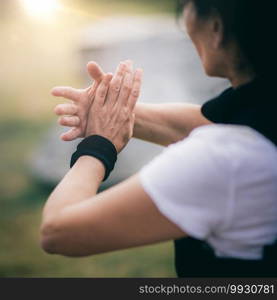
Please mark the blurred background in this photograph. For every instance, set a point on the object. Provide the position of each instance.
(45, 43)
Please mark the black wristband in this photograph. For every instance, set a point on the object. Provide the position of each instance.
(98, 147)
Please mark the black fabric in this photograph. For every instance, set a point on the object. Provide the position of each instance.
(195, 258)
(253, 105)
(98, 147)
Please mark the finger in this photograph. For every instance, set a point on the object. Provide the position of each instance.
(115, 84)
(66, 109)
(71, 135)
(67, 92)
(102, 90)
(125, 87)
(69, 121)
(97, 74)
(132, 124)
(95, 71)
(135, 92)
(130, 64)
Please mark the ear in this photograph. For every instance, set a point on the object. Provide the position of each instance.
(217, 32)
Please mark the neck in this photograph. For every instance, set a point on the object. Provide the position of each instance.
(240, 78)
(240, 72)
(238, 68)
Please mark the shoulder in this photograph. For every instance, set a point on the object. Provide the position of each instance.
(231, 142)
(217, 150)
(228, 133)
(222, 139)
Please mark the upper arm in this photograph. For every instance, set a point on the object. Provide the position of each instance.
(120, 217)
(167, 123)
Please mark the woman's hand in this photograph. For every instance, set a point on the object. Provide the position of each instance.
(111, 114)
(75, 114)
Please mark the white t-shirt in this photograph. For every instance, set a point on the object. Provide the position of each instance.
(219, 185)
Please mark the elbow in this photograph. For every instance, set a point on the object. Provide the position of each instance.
(59, 238)
(48, 246)
(49, 237)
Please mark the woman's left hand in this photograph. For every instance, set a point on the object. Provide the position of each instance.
(112, 112)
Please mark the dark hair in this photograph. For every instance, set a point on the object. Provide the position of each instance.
(251, 23)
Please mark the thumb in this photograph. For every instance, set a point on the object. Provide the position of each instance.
(95, 71)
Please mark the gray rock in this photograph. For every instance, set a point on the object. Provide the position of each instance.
(172, 72)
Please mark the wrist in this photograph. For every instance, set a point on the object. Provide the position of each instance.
(97, 147)
(88, 163)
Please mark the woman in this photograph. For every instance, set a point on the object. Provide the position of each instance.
(213, 190)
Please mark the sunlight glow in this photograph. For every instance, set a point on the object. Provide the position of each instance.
(41, 8)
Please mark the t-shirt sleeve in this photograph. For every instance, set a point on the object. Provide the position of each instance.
(189, 183)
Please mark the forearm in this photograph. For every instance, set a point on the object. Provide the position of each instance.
(80, 183)
(165, 124)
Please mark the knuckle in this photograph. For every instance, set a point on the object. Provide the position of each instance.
(125, 111)
(102, 92)
(59, 109)
(96, 108)
(61, 120)
(137, 80)
(76, 121)
(102, 95)
(126, 88)
(115, 88)
(120, 73)
(135, 93)
(74, 109)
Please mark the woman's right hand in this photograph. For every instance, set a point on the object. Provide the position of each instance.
(111, 114)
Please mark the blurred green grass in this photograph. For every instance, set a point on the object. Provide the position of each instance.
(34, 58)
